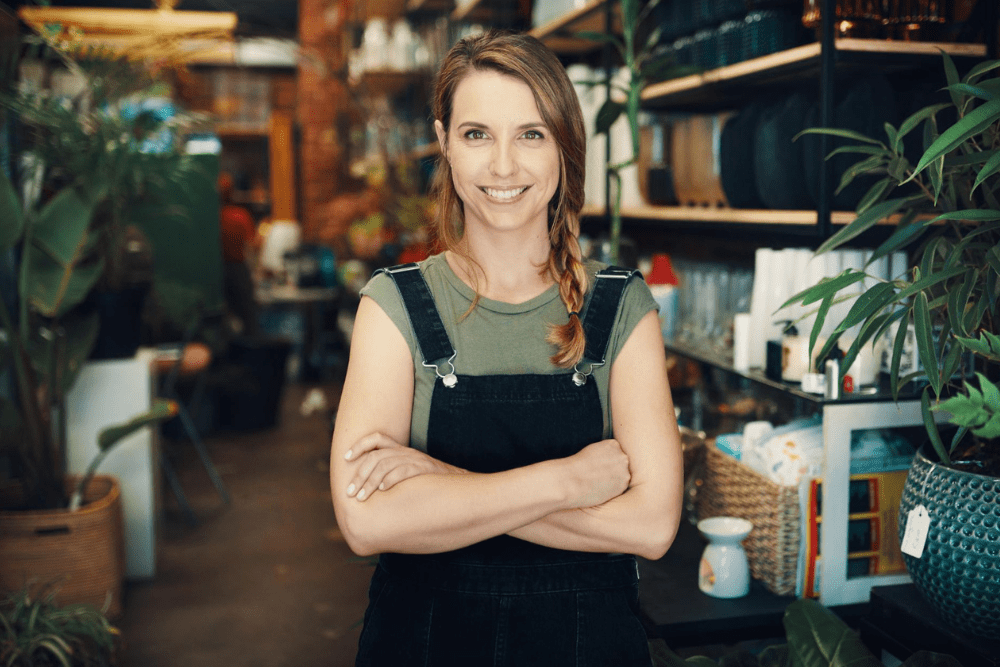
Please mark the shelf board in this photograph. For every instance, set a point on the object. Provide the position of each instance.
(559, 34)
(388, 9)
(388, 82)
(442, 6)
(241, 131)
(727, 85)
(480, 10)
(728, 215)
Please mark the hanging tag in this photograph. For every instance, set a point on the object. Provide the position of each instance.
(917, 524)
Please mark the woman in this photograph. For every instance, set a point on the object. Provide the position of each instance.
(473, 447)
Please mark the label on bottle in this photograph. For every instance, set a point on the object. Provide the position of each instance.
(917, 524)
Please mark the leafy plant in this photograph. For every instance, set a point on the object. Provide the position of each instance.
(636, 47)
(815, 636)
(65, 204)
(949, 219)
(37, 632)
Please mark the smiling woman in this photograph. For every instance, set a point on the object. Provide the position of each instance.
(505, 438)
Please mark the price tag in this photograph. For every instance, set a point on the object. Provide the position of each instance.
(917, 524)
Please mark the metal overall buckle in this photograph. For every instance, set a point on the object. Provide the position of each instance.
(580, 377)
(449, 379)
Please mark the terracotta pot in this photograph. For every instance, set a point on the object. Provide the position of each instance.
(83, 552)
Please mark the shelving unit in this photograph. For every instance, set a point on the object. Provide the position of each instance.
(559, 34)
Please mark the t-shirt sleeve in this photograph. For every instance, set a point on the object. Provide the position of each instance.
(637, 301)
(382, 290)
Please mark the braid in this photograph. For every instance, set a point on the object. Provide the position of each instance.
(567, 269)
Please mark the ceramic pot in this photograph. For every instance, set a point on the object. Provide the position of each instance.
(958, 572)
(724, 571)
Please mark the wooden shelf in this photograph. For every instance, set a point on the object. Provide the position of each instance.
(727, 86)
(559, 34)
(729, 215)
(388, 82)
(442, 6)
(240, 131)
(480, 10)
(388, 9)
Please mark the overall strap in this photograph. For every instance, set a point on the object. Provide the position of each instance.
(599, 320)
(424, 318)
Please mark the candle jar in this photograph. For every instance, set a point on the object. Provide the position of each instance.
(724, 571)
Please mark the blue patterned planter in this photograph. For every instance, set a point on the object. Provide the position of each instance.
(959, 572)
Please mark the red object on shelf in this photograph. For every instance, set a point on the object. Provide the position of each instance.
(662, 272)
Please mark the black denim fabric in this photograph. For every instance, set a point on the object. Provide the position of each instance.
(505, 602)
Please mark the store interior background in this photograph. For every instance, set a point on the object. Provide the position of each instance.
(321, 117)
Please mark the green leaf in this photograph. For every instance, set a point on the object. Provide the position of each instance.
(870, 302)
(980, 69)
(10, 213)
(906, 233)
(865, 221)
(991, 395)
(991, 429)
(608, 114)
(824, 308)
(916, 118)
(931, 427)
(818, 638)
(973, 91)
(970, 214)
(933, 279)
(923, 326)
(969, 126)
(844, 134)
(957, 298)
(974, 315)
(53, 289)
(874, 194)
(897, 167)
(951, 362)
(991, 167)
(864, 150)
(61, 227)
(111, 435)
(993, 259)
(951, 73)
(825, 287)
(893, 135)
(869, 165)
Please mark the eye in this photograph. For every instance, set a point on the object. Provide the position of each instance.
(475, 135)
(533, 134)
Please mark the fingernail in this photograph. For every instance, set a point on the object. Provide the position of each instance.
(350, 490)
(361, 494)
(381, 487)
(349, 454)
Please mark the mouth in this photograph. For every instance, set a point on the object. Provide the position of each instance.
(504, 194)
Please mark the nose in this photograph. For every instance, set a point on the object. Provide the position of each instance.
(503, 161)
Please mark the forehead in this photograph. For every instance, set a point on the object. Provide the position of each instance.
(493, 98)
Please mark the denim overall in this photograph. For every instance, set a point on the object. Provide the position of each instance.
(504, 601)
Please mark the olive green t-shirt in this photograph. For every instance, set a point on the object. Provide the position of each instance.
(499, 338)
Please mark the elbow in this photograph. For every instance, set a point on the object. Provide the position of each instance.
(659, 536)
(357, 533)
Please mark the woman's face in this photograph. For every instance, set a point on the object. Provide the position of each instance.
(504, 161)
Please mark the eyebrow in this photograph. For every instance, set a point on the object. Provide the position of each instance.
(475, 125)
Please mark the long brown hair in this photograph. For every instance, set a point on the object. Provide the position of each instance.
(525, 58)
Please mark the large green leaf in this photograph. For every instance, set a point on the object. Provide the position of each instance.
(991, 167)
(818, 638)
(866, 221)
(916, 118)
(957, 298)
(971, 125)
(61, 227)
(10, 213)
(971, 214)
(844, 134)
(899, 342)
(906, 233)
(824, 308)
(607, 115)
(870, 302)
(930, 426)
(874, 194)
(974, 91)
(951, 74)
(826, 287)
(982, 68)
(923, 325)
(875, 163)
(53, 288)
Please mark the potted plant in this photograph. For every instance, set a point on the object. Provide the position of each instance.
(949, 220)
(36, 630)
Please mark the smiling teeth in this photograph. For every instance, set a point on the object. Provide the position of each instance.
(504, 194)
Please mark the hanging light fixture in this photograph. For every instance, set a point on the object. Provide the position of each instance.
(161, 33)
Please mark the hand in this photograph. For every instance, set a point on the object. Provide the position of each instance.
(597, 473)
(382, 463)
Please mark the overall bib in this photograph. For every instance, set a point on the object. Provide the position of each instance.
(505, 602)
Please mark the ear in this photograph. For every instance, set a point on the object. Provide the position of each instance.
(442, 137)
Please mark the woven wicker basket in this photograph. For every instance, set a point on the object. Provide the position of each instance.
(732, 489)
(83, 552)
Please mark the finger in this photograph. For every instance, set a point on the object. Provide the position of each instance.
(385, 465)
(399, 474)
(369, 443)
(366, 464)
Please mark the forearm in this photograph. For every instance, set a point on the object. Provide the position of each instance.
(440, 512)
(632, 523)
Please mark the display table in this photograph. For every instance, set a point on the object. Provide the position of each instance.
(675, 610)
(900, 622)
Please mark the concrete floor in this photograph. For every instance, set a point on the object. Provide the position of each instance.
(266, 581)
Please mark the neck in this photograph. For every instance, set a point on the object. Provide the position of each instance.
(505, 267)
